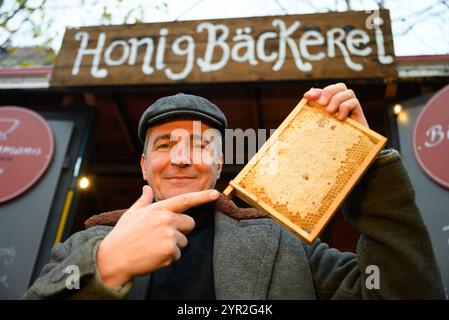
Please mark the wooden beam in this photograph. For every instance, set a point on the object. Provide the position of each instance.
(116, 169)
(67, 100)
(391, 90)
(118, 108)
(89, 99)
(425, 89)
(255, 111)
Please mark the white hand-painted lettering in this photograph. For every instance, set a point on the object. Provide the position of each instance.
(206, 64)
(274, 46)
(355, 39)
(261, 47)
(82, 51)
(245, 43)
(108, 53)
(135, 44)
(335, 37)
(189, 52)
(311, 38)
(284, 39)
(384, 59)
(160, 65)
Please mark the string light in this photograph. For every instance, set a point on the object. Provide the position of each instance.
(397, 109)
(84, 183)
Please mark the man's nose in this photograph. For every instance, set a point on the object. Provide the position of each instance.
(180, 155)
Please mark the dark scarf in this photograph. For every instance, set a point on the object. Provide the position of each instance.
(191, 277)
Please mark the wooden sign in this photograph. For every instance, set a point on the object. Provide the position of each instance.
(334, 45)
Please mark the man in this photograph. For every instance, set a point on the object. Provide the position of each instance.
(182, 240)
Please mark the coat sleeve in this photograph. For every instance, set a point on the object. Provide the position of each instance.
(394, 258)
(57, 279)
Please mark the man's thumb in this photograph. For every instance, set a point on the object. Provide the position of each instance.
(145, 199)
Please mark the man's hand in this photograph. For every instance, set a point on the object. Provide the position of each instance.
(339, 100)
(148, 236)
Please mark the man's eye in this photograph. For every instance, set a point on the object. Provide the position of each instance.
(163, 146)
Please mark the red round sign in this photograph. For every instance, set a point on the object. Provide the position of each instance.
(26, 149)
(431, 138)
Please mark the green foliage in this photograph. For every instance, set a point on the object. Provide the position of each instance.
(16, 15)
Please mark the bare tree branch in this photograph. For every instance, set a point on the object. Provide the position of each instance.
(26, 11)
(35, 17)
(278, 2)
(410, 21)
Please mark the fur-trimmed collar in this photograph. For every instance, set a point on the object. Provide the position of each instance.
(223, 205)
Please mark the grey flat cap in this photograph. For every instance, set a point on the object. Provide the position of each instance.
(181, 105)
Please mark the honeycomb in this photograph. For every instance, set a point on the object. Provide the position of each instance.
(305, 171)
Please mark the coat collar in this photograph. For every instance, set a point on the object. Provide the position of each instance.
(223, 205)
(244, 251)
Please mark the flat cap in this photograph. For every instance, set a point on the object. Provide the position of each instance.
(181, 105)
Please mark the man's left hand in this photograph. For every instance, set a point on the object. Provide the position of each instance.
(340, 101)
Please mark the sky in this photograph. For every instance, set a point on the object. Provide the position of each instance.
(428, 34)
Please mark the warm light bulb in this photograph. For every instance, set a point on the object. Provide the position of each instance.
(84, 183)
(397, 109)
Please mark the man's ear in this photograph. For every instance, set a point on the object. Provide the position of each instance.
(142, 167)
(220, 166)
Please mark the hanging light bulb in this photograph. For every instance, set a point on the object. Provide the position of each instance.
(397, 109)
(84, 183)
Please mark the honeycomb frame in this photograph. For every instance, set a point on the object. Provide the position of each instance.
(319, 165)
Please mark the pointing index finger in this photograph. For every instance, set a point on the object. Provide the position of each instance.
(186, 201)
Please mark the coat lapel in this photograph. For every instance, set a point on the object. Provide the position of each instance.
(244, 255)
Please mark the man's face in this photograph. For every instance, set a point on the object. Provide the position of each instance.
(180, 159)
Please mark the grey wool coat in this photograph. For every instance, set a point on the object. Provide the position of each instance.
(259, 259)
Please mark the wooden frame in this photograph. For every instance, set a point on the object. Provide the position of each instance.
(235, 186)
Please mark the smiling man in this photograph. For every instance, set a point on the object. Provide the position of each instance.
(177, 161)
(183, 240)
